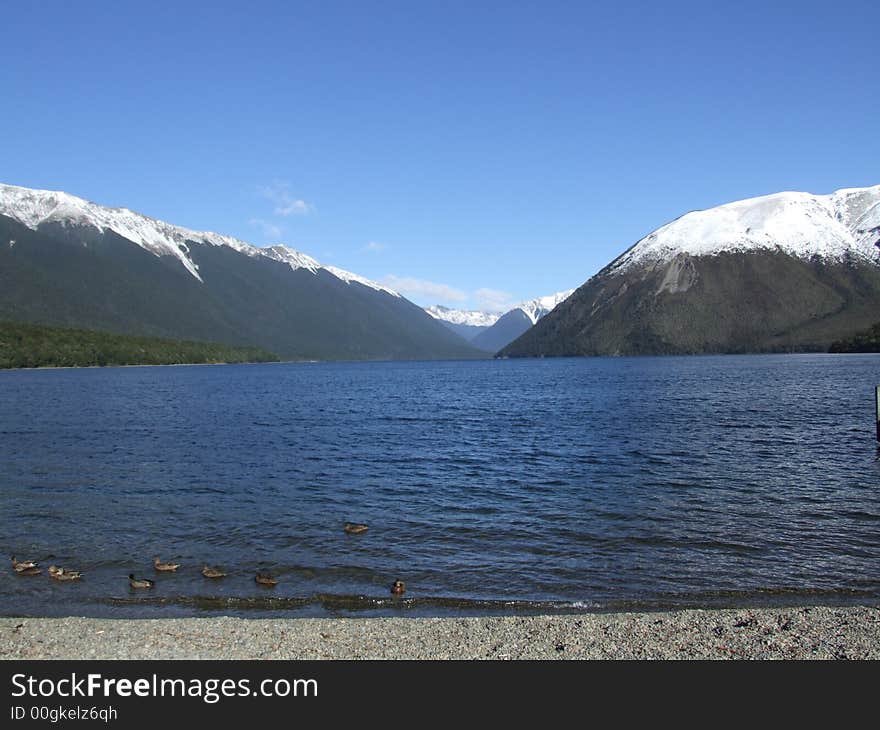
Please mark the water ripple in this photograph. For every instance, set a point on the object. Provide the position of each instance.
(488, 486)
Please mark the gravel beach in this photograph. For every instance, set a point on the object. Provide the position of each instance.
(765, 633)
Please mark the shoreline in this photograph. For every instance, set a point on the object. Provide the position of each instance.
(474, 359)
(150, 365)
(814, 632)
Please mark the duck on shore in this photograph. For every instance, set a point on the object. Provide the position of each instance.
(210, 572)
(59, 573)
(139, 582)
(19, 566)
(355, 528)
(164, 567)
(266, 579)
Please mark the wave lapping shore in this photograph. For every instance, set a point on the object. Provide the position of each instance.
(763, 633)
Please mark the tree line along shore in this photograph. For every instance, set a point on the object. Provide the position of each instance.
(35, 346)
(868, 341)
(24, 345)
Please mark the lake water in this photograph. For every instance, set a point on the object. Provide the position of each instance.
(490, 486)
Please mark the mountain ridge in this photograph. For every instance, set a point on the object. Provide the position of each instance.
(32, 208)
(469, 317)
(798, 223)
(67, 262)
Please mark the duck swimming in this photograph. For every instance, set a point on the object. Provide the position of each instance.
(20, 566)
(139, 582)
(61, 574)
(213, 572)
(355, 528)
(265, 579)
(398, 587)
(29, 571)
(164, 567)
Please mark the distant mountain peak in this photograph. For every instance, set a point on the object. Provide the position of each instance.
(517, 320)
(472, 318)
(845, 223)
(534, 309)
(33, 208)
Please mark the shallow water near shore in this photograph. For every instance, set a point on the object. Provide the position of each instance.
(494, 487)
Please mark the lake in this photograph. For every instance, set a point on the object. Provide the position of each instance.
(488, 486)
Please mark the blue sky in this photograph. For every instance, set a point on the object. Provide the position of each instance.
(471, 154)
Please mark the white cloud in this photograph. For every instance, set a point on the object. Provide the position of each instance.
(285, 203)
(294, 207)
(493, 300)
(426, 290)
(374, 247)
(269, 229)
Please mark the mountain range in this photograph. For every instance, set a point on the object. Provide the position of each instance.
(65, 261)
(491, 331)
(784, 272)
(464, 322)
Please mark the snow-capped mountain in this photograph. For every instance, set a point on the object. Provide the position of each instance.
(517, 320)
(534, 309)
(466, 324)
(785, 272)
(842, 224)
(33, 208)
(66, 261)
(471, 318)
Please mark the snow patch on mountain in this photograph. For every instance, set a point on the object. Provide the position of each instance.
(472, 318)
(294, 259)
(534, 309)
(843, 224)
(348, 277)
(33, 208)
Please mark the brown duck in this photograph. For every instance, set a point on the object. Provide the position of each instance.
(209, 572)
(355, 528)
(398, 588)
(164, 567)
(266, 579)
(19, 566)
(58, 573)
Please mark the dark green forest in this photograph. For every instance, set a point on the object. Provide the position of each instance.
(867, 341)
(31, 346)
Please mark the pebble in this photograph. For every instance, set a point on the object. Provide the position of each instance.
(798, 633)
